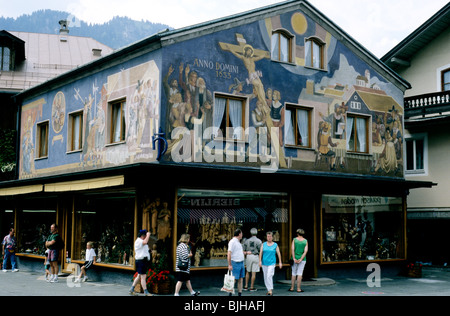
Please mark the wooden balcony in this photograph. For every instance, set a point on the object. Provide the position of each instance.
(425, 104)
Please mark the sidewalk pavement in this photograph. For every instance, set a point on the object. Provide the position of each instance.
(435, 281)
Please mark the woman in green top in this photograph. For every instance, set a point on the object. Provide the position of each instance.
(299, 250)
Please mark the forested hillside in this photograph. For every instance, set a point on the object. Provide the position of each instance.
(117, 33)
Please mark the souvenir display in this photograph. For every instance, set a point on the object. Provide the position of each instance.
(359, 228)
(211, 217)
(104, 221)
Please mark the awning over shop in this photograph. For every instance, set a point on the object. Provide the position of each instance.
(21, 190)
(87, 184)
(220, 216)
(223, 216)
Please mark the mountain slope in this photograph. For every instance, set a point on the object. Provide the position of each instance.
(116, 33)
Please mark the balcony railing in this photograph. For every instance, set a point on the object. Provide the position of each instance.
(425, 104)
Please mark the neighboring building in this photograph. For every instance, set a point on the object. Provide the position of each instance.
(29, 59)
(423, 59)
(274, 118)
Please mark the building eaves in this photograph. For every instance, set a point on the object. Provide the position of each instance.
(424, 34)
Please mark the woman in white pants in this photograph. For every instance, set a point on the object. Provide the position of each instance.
(268, 260)
(299, 249)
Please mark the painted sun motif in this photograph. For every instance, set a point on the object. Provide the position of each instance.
(299, 23)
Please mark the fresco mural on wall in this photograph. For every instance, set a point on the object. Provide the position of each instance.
(343, 94)
(137, 86)
(222, 98)
(31, 113)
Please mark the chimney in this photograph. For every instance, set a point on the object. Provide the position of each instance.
(96, 52)
(64, 30)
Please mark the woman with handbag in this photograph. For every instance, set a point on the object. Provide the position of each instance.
(183, 267)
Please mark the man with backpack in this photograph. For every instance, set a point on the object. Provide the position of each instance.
(54, 244)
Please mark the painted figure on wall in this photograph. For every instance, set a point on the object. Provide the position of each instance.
(249, 56)
(58, 112)
(30, 115)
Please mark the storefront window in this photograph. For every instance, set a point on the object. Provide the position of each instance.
(211, 217)
(108, 221)
(359, 228)
(34, 230)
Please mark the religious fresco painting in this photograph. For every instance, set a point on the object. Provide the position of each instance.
(335, 115)
(282, 92)
(135, 88)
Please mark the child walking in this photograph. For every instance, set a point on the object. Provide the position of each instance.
(47, 266)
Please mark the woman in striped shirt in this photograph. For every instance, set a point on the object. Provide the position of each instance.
(184, 253)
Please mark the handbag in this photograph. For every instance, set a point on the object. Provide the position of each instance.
(183, 264)
(228, 283)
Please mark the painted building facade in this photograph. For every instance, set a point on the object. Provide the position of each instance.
(274, 119)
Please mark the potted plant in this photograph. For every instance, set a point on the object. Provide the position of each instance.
(414, 270)
(159, 282)
(159, 278)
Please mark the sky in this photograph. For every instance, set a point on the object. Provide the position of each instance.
(378, 25)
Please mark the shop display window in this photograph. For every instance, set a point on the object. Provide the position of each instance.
(107, 220)
(34, 230)
(362, 228)
(211, 217)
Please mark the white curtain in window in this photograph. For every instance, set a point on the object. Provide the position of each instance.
(361, 128)
(235, 107)
(349, 131)
(275, 46)
(302, 123)
(308, 54)
(289, 137)
(76, 132)
(219, 110)
(117, 121)
(316, 55)
(284, 48)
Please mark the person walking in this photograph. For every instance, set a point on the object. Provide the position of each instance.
(9, 251)
(267, 260)
(299, 249)
(53, 255)
(252, 247)
(183, 273)
(235, 258)
(142, 258)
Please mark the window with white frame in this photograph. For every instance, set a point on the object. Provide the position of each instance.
(416, 153)
(445, 80)
(297, 131)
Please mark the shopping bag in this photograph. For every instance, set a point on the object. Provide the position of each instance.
(228, 283)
